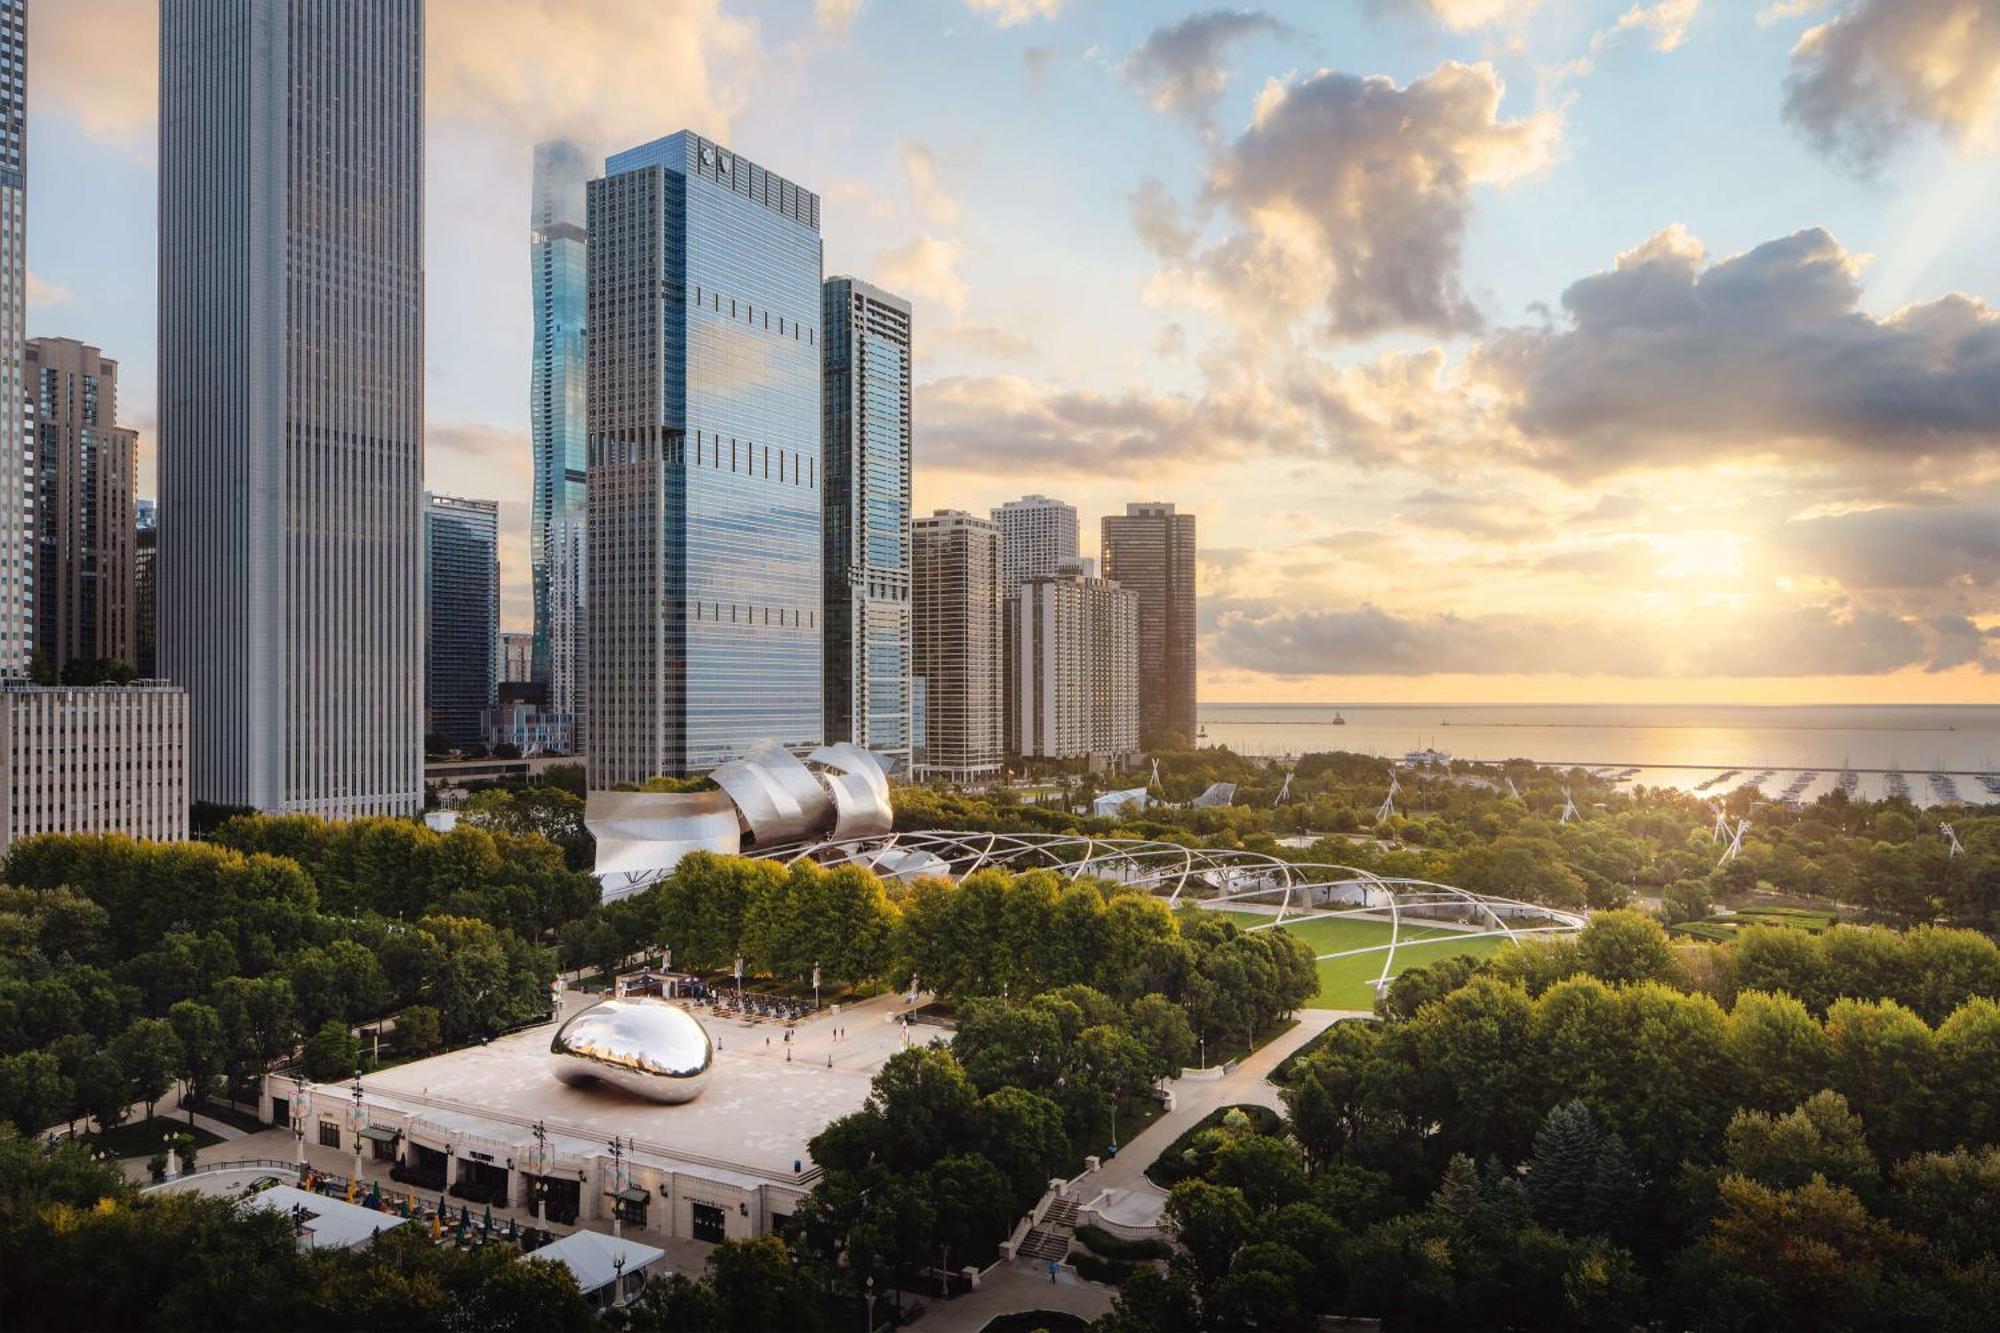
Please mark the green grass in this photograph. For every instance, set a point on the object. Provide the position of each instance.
(1349, 983)
(142, 1138)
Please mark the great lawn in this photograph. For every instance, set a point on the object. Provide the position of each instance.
(1349, 983)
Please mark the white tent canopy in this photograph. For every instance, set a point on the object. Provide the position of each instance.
(592, 1257)
(1114, 802)
(330, 1224)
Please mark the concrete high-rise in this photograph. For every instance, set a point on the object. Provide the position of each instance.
(291, 350)
(85, 514)
(516, 656)
(1037, 539)
(461, 614)
(16, 537)
(704, 480)
(866, 440)
(569, 625)
(93, 759)
(955, 615)
(1075, 667)
(557, 394)
(1150, 549)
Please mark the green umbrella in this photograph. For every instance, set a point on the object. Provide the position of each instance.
(486, 1223)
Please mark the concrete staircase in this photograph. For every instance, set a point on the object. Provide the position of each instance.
(1049, 1239)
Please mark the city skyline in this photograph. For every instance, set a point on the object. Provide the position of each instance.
(1466, 478)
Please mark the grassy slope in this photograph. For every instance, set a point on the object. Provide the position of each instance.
(1347, 983)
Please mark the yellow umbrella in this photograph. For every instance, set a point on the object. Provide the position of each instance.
(437, 1230)
(351, 1183)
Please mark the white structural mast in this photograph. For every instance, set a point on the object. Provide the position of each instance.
(1388, 806)
(1951, 836)
(1735, 846)
(1569, 808)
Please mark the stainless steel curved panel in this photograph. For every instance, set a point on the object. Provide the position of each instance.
(771, 813)
(649, 1047)
(794, 778)
(641, 835)
(859, 810)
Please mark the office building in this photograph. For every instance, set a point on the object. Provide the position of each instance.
(516, 658)
(1075, 668)
(145, 591)
(291, 283)
(96, 759)
(569, 639)
(85, 514)
(461, 614)
(16, 538)
(557, 390)
(867, 518)
(1037, 539)
(704, 480)
(1150, 549)
(955, 620)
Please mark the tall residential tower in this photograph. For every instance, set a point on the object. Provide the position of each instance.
(1150, 549)
(291, 346)
(955, 615)
(86, 514)
(704, 484)
(867, 518)
(557, 400)
(1037, 539)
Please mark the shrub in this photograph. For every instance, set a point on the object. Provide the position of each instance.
(1117, 1247)
(1111, 1272)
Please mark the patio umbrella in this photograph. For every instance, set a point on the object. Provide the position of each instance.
(513, 1231)
(464, 1215)
(486, 1222)
(437, 1232)
(375, 1195)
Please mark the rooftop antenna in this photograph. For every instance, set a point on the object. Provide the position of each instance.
(1951, 836)
(1569, 808)
(1735, 846)
(1388, 806)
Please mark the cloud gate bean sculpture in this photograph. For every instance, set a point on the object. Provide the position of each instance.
(648, 1047)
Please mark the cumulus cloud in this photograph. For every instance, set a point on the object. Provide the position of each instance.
(1882, 69)
(1833, 640)
(43, 294)
(925, 268)
(1011, 13)
(989, 340)
(1952, 548)
(836, 15)
(1488, 517)
(929, 195)
(1668, 359)
(1180, 67)
(1004, 423)
(1465, 15)
(1351, 194)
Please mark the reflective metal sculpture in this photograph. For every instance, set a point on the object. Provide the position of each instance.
(648, 1047)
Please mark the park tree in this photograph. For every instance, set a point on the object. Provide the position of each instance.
(203, 1049)
(1208, 1223)
(102, 1091)
(418, 1030)
(149, 1054)
(1625, 946)
(331, 1052)
(1820, 1138)
(1883, 1060)
(34, 1093)
(1779, 1051)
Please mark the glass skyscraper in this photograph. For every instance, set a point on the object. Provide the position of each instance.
(16, 528)
(704, 444)
(461, 613)
(867, 517)
(556, 395)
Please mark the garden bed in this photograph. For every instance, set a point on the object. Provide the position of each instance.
(1170, 1168)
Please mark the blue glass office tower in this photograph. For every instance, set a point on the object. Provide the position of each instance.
(556, 394)
(461, 614)
(704, 449)
(867, 517)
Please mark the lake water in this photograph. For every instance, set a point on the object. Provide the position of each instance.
(1670, 745)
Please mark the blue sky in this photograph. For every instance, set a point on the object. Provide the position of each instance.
(1334, 324)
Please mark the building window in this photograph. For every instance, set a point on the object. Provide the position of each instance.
(709, 1224)
(329, 1134)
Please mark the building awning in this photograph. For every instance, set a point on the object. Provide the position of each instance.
(631, 1194)
(380, 1134)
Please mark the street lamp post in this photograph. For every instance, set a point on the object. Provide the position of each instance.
(871, 1303)
(359, 1115)
(617, 1187)
(299, 1120)
(541, 1177)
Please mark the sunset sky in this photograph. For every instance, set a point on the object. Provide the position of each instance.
(1507, 349)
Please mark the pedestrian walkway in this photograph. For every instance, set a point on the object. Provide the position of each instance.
(1012, 1288)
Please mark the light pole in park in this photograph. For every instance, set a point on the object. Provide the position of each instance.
(617, 1187)
(541, 1132)
(359, 1117)
(871, 1303)
(299, 1089)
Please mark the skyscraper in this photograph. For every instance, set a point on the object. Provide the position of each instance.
(1076, 667)
(955, 616)
(704, 501)
(16, 551)
(145, 591)
(516, 656)
(85, 519)
(1037, 538)
(867, 517)
(1150, 549)
(461, 613)
(569, 625)
(557, 401)
(291, 398)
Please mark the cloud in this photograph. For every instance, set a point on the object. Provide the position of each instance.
(1179, 68)
(1158, 221)
(926, 268)
(612, 71)
(1010, 13)
(43, 294)
(1833, 640)
(1952, 548)
(1780, 10)
(1882, 69)
(1665, 21)
(836, 15)
(989, 340)
(1004, 423)
(1499, 518)
(931, 198)
(1351, 194)
(1667, 359)
(1464, 15)
(97, 62)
